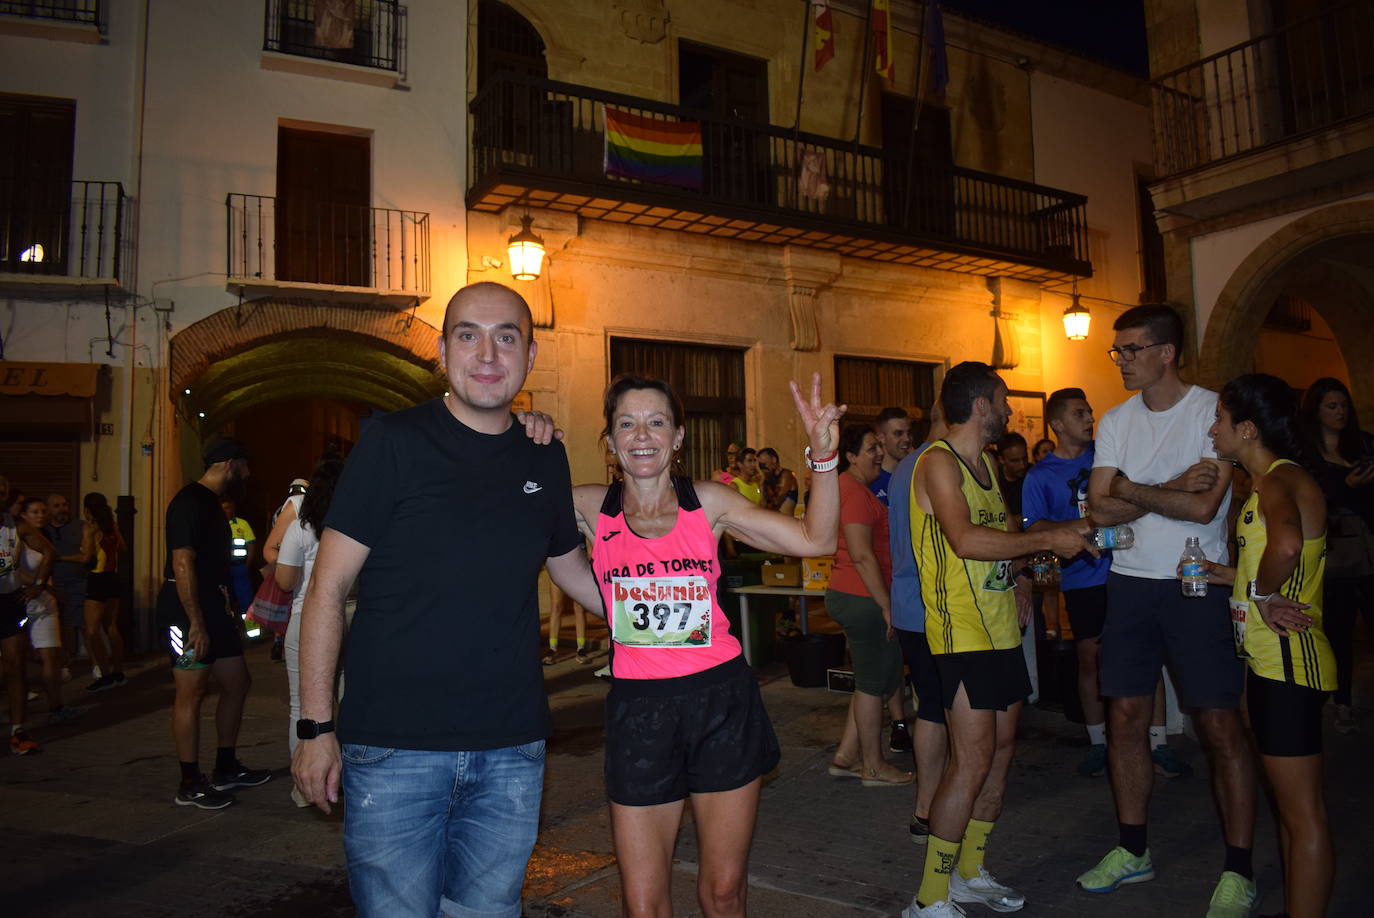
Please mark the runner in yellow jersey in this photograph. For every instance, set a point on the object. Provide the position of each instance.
(1277, 619)
(965, 547)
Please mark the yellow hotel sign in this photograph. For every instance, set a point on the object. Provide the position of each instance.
(20, 378)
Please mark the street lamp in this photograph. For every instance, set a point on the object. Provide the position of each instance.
(1076, 320)
(526, 252)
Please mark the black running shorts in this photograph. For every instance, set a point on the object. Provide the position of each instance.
(698, 734)
(102, 587)
(221, 626)
(993, 679)
(1087, 608)
(925, 678)
(1286, 718)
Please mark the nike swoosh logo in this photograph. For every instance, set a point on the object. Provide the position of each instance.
(610, 535)
(531, 487)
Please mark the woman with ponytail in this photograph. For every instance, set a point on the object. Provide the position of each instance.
(101, 544)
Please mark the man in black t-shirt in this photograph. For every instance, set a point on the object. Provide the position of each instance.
(202, 635)
(445, 513)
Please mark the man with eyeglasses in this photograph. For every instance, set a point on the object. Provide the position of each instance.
(1155, 468)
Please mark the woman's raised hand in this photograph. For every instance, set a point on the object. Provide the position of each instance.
(821, 420)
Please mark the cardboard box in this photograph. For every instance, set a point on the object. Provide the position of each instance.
(815, 572)
(781, 574)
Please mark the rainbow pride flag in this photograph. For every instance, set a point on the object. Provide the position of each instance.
(652, 150)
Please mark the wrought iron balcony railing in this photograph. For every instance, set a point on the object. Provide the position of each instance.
(86, 12)
(62, 230)
(543, 142)
(276, 240)
(368, 33)
(1306, 77)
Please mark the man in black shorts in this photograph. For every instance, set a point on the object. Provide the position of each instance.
(201, 633)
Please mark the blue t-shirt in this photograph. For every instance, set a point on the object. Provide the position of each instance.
(908, 611)
(879, 485)
(1056, 490)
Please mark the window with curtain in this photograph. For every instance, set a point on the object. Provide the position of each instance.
(868, 385)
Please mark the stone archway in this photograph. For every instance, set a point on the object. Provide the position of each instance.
(272, 349)
(1323, 254)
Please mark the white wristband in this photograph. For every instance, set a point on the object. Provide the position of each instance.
(825, 465)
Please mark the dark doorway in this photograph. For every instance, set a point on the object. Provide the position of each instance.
(734, 89)
(710, 382)
(917, 162)
(36, 139)
(324, 218)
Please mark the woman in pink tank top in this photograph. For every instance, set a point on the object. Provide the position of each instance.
(684, 716)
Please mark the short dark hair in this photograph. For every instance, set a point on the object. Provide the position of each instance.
(851, 441)
(891, 414)
(746, 453)
(1270, 404)
(964, 384)
(1161, 323)
(770, 451)
(1058, 402)
(629, 382)
(1010, 440)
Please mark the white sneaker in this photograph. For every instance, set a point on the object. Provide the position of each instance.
(986, 890)
(66, 674)
(95, 672)
(941, 909)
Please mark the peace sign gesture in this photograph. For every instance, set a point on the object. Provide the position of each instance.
(821, 420)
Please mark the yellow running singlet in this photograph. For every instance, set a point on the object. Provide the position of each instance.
(1300, 659)
(969, 604)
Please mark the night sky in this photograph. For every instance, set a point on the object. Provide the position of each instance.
(1109, 30)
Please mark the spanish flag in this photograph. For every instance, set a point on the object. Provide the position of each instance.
(824, 33)
(882, 39)
(653, 150)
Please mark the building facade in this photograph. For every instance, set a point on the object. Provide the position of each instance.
(251, 216)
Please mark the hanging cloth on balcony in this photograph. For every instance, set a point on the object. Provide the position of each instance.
(334, 23)
(651, 150)
(812, 182)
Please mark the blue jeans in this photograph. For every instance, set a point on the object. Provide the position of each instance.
(440, 833)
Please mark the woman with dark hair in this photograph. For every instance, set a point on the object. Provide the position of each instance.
(1043, 447)
(1276, 613)
(858, 599)
(101, 544)
(295, 562)
(43, 625)
(1342, 458)
(684, 717)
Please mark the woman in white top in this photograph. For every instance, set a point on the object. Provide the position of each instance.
(43, 626)
(295, 562)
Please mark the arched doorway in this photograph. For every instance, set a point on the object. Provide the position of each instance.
(289, 376)
(1324, 260)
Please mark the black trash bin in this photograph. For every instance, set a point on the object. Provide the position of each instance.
(810, 655)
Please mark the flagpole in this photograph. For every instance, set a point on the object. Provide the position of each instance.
(796, 121)
(863, 72)
(916, 116)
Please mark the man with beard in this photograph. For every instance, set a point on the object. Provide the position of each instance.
(201, 632)
(964, 541)
(68, 573)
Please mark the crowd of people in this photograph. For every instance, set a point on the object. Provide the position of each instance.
(932, 586)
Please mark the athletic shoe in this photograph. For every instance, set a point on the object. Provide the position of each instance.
(118, 677)
(66, 674)
(941, 909)
(1168, 765)
(64, 715)
(550, 658)
(985, 890)
(20, 744)
(583, 656)
(920, 830)
(900, 740)
(1345, 719)
(1234, 897)
(201, 794)
(1118, 868)
(278, 650)
(239, 777)
(604, 672)
(1094, 764)
(103, 684)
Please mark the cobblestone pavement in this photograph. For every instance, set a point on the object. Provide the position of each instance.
(88, 827)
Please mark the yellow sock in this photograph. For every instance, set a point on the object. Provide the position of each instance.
(975, 844)
(940, 857)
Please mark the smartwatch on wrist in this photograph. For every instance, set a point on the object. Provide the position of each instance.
(309, 729)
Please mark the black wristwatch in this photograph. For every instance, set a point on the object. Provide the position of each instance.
(309, 729)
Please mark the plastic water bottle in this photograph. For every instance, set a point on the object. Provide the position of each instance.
(1192, 570)
(1109, 537)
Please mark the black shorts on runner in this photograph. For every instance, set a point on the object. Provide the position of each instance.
(993, 679)
(1087, 610)
(1151, 623)
(221, 627)
(102, 587)
(925, 678)
(12, 615)
(1285, 718)
(698, 734)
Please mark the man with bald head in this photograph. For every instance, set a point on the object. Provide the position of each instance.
(444, 514)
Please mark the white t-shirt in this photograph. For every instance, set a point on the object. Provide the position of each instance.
(298, 549)
(1153, 447)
